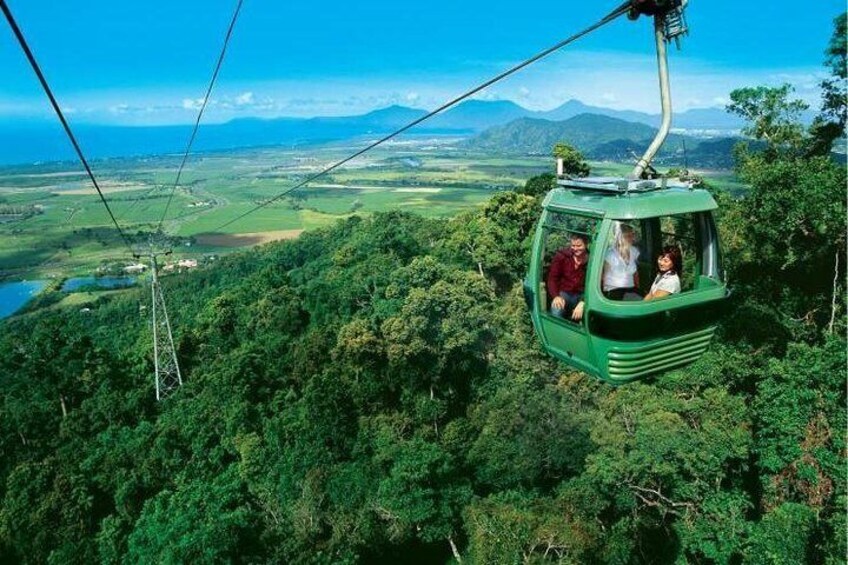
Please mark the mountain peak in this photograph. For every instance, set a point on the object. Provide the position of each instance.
(478, 115)
(584, 131)
(571, 103)
(489, 104)
(595, 119)
(394, 110)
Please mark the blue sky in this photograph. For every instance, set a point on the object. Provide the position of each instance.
(148, 62)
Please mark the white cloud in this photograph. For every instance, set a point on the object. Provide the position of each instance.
(244, 99)
(629, 82)
(487, 94)
(598, 78)
(192, 103)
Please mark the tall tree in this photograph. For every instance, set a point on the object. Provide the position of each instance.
(771, 116)
(796, 212)
(572, 160)
(830, 124)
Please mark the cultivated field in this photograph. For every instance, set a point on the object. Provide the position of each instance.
(69, 232)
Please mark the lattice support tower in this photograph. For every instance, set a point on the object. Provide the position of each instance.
(168, 377)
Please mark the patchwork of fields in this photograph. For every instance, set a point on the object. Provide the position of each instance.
(66, 229)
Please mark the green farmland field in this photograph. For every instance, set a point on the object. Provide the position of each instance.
(68, 231)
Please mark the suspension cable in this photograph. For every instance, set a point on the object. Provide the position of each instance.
(621, 10)
(35, 67)
(200, 113)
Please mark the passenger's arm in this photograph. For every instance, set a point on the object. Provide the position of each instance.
(553, 283)
(554, 275)
(657, 294)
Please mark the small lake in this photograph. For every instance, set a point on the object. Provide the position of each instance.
(72, 285)
(13, 295)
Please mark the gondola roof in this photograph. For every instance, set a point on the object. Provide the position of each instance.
(626, 199)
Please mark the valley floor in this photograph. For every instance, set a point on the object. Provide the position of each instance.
(60, 228)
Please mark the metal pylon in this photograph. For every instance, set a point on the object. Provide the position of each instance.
(168, 376)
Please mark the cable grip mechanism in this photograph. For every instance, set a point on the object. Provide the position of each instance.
(670, 13)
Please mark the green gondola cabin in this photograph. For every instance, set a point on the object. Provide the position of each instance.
(620, 341)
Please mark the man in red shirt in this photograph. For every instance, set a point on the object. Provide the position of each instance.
(566, 279)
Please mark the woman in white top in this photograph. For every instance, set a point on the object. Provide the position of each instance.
(667, 282)
(621, 276)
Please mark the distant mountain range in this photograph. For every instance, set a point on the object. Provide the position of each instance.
(26, 142)
(584, 131)
(478, 115)
(602, 138)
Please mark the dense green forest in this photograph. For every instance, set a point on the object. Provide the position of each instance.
(373, 392)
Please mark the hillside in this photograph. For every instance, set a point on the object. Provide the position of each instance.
(601, 138)
(585, 131)
(363, 394)
(371, 389)
(478, 115)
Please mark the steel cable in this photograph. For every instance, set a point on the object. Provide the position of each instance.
(621, 10)
(200, 113)
(35, 67)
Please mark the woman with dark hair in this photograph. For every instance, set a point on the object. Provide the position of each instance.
(670, 263)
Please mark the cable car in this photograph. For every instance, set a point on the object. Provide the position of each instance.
(623, 340)
(620, 337)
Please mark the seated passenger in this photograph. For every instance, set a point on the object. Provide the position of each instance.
(620, 276)
(667, 282)
(566, 279)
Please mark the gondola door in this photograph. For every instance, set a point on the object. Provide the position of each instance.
(565, 338)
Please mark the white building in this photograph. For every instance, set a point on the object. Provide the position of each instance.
(135, 268)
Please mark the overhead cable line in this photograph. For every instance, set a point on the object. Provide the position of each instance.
(621, 10)
(35, 67)
(200, 113)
